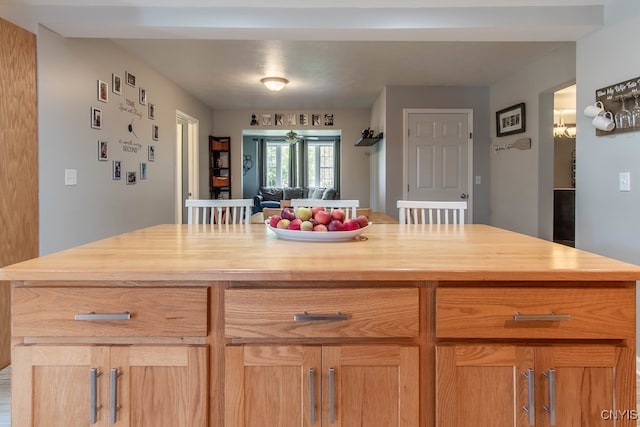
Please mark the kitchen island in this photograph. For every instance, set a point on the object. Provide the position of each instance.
(418, 325)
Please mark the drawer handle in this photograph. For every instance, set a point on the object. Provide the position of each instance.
(94, 407)
(530, 408)
(551, 408)
(306, 317)
(540, 317)
(103, 316)
(113, 395)
(312, 397)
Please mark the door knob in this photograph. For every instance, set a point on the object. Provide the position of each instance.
(464, 195)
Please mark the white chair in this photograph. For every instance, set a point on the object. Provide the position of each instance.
(426, 212)
(219, 211)
(348, 205)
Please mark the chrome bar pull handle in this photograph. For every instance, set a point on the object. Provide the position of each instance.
(113, 397)
(306, 317)
(332, 396)
(312, 397)
(551, 317)
(551, 408)
(93, 316)
(94, 407)
(530, 409)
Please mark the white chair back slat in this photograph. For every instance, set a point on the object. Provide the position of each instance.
(423, 212)
(219, 211)
(349, 206)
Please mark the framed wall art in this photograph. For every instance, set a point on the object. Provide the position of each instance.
(103, 151)
(131, 178)
(103, 91)
(130, 78)
(152, 111)
(96, 118)
(143, 96)
(116, 172)
(143, 171)
(154, 132)
(151, 155)
(511, 120)
(116, 84)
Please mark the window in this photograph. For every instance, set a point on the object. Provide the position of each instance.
(307, 163)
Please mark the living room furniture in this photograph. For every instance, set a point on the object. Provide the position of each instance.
(220, 167)
(220, 211)
(428, 212)
(446, 325)
(348, 205)
(271, 197)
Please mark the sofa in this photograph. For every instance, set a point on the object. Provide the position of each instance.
(270, 197)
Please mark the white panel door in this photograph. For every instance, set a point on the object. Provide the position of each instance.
(438, 155)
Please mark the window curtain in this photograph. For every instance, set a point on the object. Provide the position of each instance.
(261, 162)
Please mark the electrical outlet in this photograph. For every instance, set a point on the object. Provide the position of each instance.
(624, 183)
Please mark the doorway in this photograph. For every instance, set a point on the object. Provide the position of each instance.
(438, 156)
(187, 170)
(564, 165)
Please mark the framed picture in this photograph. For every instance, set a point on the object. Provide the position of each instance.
(131, 178)
(131, 78)
(143, 171)
(328, 119)
(266, 120)
(154, 132)
(303, 119)
(116, 167)
(279, 119)
(103, 91)
(291, 119)
(143, 96)
(315, 120)
(152, 111)
(116, 84)
(511, 120)
(151, 155)
(254, 120)
(96, 118)
(103, 151)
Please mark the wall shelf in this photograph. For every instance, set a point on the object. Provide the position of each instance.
(367, 142)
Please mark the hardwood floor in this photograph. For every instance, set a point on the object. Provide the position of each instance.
(5, 397)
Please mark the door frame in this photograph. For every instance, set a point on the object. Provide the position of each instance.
(193, 130)
(405, 149)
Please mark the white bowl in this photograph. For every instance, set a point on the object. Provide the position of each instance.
(317, 236)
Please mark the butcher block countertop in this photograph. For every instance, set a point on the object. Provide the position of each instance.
(189, 253)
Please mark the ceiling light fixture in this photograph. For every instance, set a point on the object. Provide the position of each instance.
(274, 84)
(291, 137)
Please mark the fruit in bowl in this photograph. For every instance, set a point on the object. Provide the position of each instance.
(316, 219)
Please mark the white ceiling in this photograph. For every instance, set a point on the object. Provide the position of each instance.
(336, 53)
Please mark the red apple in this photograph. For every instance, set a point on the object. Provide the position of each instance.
(273, 220)
(350, 225)
(283, 223)
(288, 213)
(320, 227)
(362, 220)
(338, 214)
(335, 225)
(295, 224)
(315, 209)
(322, 217)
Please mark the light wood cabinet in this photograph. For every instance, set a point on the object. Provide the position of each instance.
(138, 386)
(341, 385)
(497, 385)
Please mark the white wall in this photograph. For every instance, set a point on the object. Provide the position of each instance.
(354, 180)
(515, 192)
(98, 207)
(607, 220)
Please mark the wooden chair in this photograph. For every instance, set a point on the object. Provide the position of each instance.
(219, 211)
(427, 212)
(349, 206)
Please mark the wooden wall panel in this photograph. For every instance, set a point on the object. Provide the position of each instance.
(18, 160)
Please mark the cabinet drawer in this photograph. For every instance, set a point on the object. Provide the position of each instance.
(362, 312)
(593, 313)
(154, 312)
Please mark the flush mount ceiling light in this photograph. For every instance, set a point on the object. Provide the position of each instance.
(274, 84)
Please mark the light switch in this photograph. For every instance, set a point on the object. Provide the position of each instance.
(478, 180)
(70, 176)
(624, 181)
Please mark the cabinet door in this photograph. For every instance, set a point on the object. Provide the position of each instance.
(373, 386)
(483, 385)
(55, 387)
(160, 386)
(270, 385)
(590, 386)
